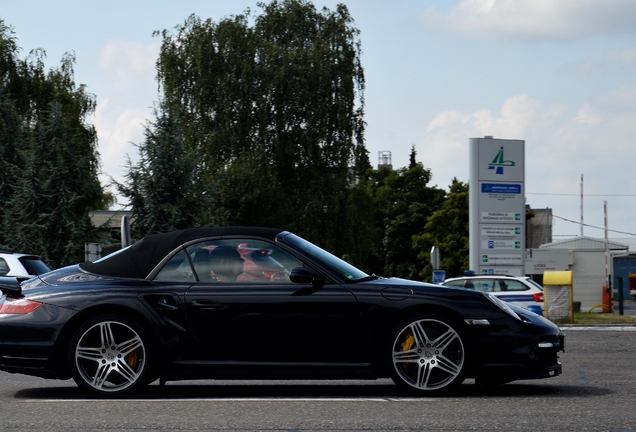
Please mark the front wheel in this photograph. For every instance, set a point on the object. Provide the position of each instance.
(427, 353)
(109, 355)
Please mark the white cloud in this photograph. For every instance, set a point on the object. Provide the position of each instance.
(542, 19)
(129, 61)
(595, 139)
(444, 147)
(612, 60)
(620, 99)
(130, 89)
(624, 58)
(587, 115)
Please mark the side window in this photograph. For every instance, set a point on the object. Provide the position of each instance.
(515, 285)
(4, 267)
(484, 285)
(456, 283)
(241, 261)
(178, 269)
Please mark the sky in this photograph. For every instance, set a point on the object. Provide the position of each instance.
(558, 74)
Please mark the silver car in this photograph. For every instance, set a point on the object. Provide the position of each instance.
(21, 265)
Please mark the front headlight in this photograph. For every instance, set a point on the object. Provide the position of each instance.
(502, 305)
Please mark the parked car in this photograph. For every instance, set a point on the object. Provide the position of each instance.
(156, 311)
(21, 265)
(521, 291)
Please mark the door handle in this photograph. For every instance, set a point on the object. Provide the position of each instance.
(206, 305)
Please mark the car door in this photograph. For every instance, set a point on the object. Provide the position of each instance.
(515, 292)
(261, 317)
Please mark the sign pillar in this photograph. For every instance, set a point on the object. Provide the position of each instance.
(497, 206)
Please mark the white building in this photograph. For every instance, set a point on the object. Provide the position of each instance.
(586, 258)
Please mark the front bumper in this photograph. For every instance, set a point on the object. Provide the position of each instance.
(519, 350)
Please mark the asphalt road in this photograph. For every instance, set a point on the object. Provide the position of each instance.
(595, 393)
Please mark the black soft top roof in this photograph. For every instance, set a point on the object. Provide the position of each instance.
(142, 257)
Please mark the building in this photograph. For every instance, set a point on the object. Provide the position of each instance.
(384, 159)
(586, 258)
(538, 227)
(109, 223)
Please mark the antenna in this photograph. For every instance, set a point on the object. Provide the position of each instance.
(582, 205)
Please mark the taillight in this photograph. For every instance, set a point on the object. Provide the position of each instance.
(538, 297)
(18, 306)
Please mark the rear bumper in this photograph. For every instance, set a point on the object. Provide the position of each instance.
(28, 342)
(29, 361)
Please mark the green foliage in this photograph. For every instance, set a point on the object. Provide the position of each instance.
(447, 229)
(403, 202)
(273, 104)
(49, 167)
(163, 187)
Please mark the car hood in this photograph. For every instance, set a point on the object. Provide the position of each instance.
(398, 289)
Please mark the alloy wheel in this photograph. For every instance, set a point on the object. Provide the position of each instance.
(428, 355)
(110, 357)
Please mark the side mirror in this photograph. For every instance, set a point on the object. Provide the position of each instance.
(302, 275)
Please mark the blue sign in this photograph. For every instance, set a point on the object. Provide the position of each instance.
(501, 188)
(439, 276)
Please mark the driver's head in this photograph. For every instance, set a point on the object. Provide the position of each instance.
(226, 261)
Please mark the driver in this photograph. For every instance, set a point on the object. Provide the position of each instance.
(226, 263)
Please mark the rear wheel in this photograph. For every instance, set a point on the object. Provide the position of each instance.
(109, 355)
(427, 353)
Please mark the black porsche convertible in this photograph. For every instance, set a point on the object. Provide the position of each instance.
(259, 303)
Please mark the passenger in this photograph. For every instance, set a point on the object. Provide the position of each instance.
(226, 263)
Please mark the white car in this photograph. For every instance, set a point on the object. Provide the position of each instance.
(518, 290)
(21, 265)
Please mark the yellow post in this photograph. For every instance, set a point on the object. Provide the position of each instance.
(558, 296)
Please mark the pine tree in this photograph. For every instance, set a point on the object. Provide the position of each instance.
(165, 189)
(48, 180)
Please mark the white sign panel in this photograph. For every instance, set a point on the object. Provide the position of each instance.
(514, 217)
(501, 244)
(497, 206)
(502, 259)
(541, 260)
(501, 160)
(501, 231)
(512, 271)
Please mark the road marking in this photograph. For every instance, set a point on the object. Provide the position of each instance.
(422, 399)
(600, 328)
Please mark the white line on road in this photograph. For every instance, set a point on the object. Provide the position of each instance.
(423, 399)
(600, 328)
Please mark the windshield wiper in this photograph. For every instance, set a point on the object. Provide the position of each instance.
(371, 277)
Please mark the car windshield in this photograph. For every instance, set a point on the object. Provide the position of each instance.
(340, 266)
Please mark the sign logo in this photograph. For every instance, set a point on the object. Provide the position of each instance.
(498, 163)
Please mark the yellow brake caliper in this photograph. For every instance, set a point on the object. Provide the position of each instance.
(406, 345)
(132, 359)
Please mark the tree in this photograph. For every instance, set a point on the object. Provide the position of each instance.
(50, 163)
(447, 229)
(403, 201)
(273, 105)
(164, 188)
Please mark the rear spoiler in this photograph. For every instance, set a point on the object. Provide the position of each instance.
(11, 285)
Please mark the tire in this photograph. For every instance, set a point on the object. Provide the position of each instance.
(427, 354)
(109, 355)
